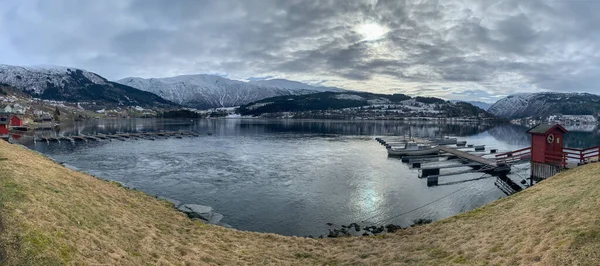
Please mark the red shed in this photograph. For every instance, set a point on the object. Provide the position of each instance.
(16, 121)
(547, 143)
(4, 121)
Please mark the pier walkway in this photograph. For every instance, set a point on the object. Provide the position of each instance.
(468, 156)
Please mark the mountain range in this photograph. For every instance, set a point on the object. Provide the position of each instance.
(75, 85)
(209, 91)
(545, 104)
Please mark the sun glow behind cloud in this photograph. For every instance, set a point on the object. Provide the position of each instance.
(412, 47)
(371, 31)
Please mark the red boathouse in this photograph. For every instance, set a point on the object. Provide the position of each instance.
(547, 153)
(547, 157)
(16, 121)
(547, 143)
(4, 122)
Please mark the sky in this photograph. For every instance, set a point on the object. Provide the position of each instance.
(454, 49)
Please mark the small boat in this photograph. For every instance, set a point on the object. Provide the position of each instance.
(446, 141)
(414, 149)
(461, 143)
(391, 145)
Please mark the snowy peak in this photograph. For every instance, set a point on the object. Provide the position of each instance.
(209, 91)
(292, 85)
(545, 104)
(74, 85)
(38, 78)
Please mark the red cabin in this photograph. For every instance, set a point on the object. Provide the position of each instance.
(547, 144)
(15, 121)
(4, 121)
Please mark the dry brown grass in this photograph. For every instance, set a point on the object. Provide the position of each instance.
(52, 215)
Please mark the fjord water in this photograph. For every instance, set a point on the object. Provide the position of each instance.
(290, 176)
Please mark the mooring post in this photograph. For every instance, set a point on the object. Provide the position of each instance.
(432, 180)
(430, 172)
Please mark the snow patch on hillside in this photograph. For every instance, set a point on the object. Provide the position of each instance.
(37, 78)
(209, 91)
(349, 97)
(379, 101)
(511, 105)
(544, 103)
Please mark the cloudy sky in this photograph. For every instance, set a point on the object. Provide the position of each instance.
(456, 49)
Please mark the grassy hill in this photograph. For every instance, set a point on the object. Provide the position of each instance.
(51, 215)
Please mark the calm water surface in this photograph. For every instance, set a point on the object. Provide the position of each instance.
(290, 176)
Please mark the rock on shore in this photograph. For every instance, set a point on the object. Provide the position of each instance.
(202, 213)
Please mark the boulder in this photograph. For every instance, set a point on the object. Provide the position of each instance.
(390, 228)
(183, 208)
(216, 218)
(197, 211)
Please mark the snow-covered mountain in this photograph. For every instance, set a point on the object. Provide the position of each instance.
(292, 85)
(74, 85)
(209, 91)
(482, 105)
(545, 104)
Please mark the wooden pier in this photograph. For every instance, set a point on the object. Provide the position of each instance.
(119, 136)
(459, 155)
(468, 156)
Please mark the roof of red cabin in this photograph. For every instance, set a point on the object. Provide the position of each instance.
(544, 128)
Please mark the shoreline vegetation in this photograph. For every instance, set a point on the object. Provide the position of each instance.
(52, 215)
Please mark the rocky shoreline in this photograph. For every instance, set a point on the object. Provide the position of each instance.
(357, 230)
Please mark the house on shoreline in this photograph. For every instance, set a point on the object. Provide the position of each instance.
(8, 120)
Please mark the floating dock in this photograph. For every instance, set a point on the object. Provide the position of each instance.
(468, 156)
(119, 136)
(458, 155)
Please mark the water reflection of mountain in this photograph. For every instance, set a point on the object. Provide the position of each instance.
(581, 128)
(392, 128)
(511, 134)
(108, 126)
(425, 129)
(575, 139)
(517, 135)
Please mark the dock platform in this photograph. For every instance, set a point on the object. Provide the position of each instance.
(468, 156)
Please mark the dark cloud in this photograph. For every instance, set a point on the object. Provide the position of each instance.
(473, 48)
